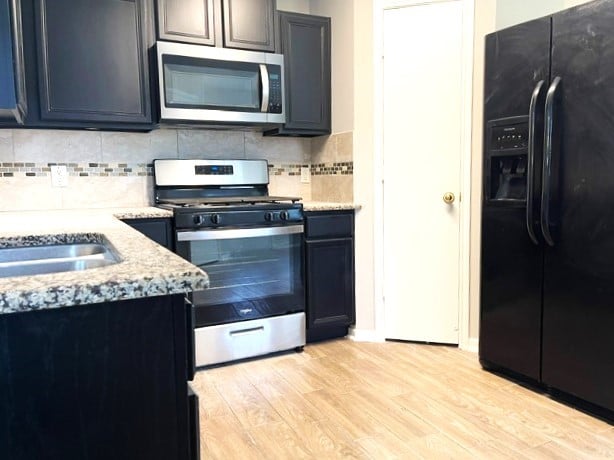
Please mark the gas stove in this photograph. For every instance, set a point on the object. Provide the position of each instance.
(251, 245)
(221, 193)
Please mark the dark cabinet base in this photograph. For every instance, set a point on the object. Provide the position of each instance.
(160, 230)
(101, 381)
(329, 268)
(326, 333)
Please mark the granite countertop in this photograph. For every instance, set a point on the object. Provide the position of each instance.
(328, 206)
(146, 269)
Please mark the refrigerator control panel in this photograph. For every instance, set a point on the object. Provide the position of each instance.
(509, 137)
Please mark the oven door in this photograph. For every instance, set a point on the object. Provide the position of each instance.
(253, 272)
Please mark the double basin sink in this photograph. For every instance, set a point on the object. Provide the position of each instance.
(54, 258)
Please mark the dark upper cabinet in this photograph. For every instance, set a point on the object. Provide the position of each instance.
(242, 24)
(249, 24)
(12, 83)
(190, 21)
(305, 42)
(93, 60)
(329, 260)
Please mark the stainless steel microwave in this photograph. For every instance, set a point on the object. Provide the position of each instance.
(207, 84)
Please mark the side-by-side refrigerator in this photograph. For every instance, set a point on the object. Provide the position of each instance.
(547, 274)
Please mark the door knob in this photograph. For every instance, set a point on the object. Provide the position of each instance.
(448, 197)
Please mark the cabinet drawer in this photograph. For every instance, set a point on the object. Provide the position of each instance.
(329, 224)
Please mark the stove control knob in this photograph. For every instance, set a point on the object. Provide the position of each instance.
(284, 215)
(268, 216)
(215, 219)
(199, 219)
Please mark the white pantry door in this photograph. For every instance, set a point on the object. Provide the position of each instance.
(422, 118)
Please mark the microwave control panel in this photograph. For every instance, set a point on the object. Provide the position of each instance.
(274, 88)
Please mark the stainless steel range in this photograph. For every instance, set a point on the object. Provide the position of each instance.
(249, 243)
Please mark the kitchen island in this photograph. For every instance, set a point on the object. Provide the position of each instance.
(94, 363)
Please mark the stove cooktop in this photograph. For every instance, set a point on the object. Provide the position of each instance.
(202, 202)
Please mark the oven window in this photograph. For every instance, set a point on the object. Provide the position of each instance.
(210, 84)
(249, 277)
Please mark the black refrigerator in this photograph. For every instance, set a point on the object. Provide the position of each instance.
(547, 272)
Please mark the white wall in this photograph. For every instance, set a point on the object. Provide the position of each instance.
(297, 6)
(365, 168)
(510, 12)
(341, 13)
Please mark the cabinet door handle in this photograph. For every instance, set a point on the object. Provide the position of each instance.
(190, 340)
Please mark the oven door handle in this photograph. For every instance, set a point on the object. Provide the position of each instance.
(234, 233)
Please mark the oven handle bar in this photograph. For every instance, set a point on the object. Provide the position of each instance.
(234, 233)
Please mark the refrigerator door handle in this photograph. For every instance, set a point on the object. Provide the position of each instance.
(531, 161)
(547, 163)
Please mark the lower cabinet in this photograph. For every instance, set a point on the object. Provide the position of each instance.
(101, 381)
(329, 261)
(160, 230)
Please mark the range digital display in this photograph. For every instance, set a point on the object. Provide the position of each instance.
(213, 170)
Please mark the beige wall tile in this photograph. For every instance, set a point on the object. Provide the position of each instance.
(6, 145)
(138, 147)
(332, 188)
(277, 150)
(28, 194)
(289, 186)
(323, 149)
(105, 192)
(345, 147)
(194, 143)
(43, 146)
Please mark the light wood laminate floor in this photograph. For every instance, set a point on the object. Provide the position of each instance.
(342, 399)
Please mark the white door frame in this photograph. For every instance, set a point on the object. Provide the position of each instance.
(465, 169)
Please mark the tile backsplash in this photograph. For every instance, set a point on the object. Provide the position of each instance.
(114, 168)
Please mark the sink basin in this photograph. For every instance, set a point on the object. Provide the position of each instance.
(54, 258)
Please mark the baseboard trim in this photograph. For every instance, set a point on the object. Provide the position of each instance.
(472, 344)
(364, 335)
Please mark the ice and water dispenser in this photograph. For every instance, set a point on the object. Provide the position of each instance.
(507, 160)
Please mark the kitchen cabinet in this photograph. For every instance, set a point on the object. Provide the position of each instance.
(305, 42)
(329, 261)
(12, 82)
(100, 381)
(88, 63)
(189, 21)
(160, 230)
(242, 24)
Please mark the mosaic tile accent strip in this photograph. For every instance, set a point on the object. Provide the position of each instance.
(19, 169)
(333, 169)
(286, 170)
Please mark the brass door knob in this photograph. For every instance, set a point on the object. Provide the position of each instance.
(448, 197)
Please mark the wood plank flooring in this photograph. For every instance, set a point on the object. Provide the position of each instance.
(342, 399)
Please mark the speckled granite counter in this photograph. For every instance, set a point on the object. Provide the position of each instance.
(146, 269)
(326, 206)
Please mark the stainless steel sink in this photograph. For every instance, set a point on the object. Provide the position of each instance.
(55, 258)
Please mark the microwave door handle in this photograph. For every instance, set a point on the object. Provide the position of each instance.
(264, 78)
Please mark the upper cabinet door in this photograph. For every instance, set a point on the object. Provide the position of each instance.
(12, 79)
(249, 24)
(188, 21)
(93, 64)
(306, 46)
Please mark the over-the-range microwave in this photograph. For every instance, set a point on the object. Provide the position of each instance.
(219, 85)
